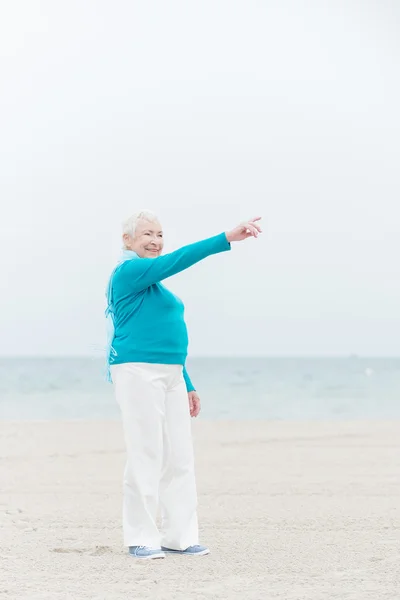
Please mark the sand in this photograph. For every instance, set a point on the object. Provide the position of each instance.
(290, 510)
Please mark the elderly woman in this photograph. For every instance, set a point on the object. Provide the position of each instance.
(147, 356)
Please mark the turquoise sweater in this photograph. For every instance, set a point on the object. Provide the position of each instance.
(149, 319)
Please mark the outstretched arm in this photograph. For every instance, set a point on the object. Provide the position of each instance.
(143, 273)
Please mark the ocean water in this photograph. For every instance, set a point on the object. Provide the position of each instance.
(230, 388)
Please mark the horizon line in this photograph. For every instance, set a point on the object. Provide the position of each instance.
(207, 356)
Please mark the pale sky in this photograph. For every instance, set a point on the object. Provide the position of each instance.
(208, 113)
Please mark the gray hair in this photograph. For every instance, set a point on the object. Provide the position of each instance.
(129, 226)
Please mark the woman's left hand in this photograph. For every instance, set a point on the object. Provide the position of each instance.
(194, 404)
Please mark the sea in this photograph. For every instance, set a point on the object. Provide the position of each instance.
(230, 388)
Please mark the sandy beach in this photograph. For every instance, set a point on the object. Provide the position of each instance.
(292, 511)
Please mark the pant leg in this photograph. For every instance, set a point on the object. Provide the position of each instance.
(140, 392)
(178, 496)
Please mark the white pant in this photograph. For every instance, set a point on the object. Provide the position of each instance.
(160, 464)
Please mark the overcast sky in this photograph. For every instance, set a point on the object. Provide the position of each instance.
(208, 113)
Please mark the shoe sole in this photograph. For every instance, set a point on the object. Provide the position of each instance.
(153, 557)
(202, 553)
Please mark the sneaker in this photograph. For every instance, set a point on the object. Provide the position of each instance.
(144, 552)
(196, 550)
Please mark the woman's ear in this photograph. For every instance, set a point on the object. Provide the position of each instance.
(126, 238)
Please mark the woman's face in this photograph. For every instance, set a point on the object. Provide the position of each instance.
(148, 239)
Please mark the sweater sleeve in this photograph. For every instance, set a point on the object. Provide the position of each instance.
(144, 272)
(189, 385)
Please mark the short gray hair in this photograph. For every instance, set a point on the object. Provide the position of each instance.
(129, 226)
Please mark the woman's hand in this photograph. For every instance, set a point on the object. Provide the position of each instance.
(244, 231)
(194, 404)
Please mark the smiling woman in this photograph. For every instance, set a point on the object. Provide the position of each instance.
(142, 233)
(147, 359)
